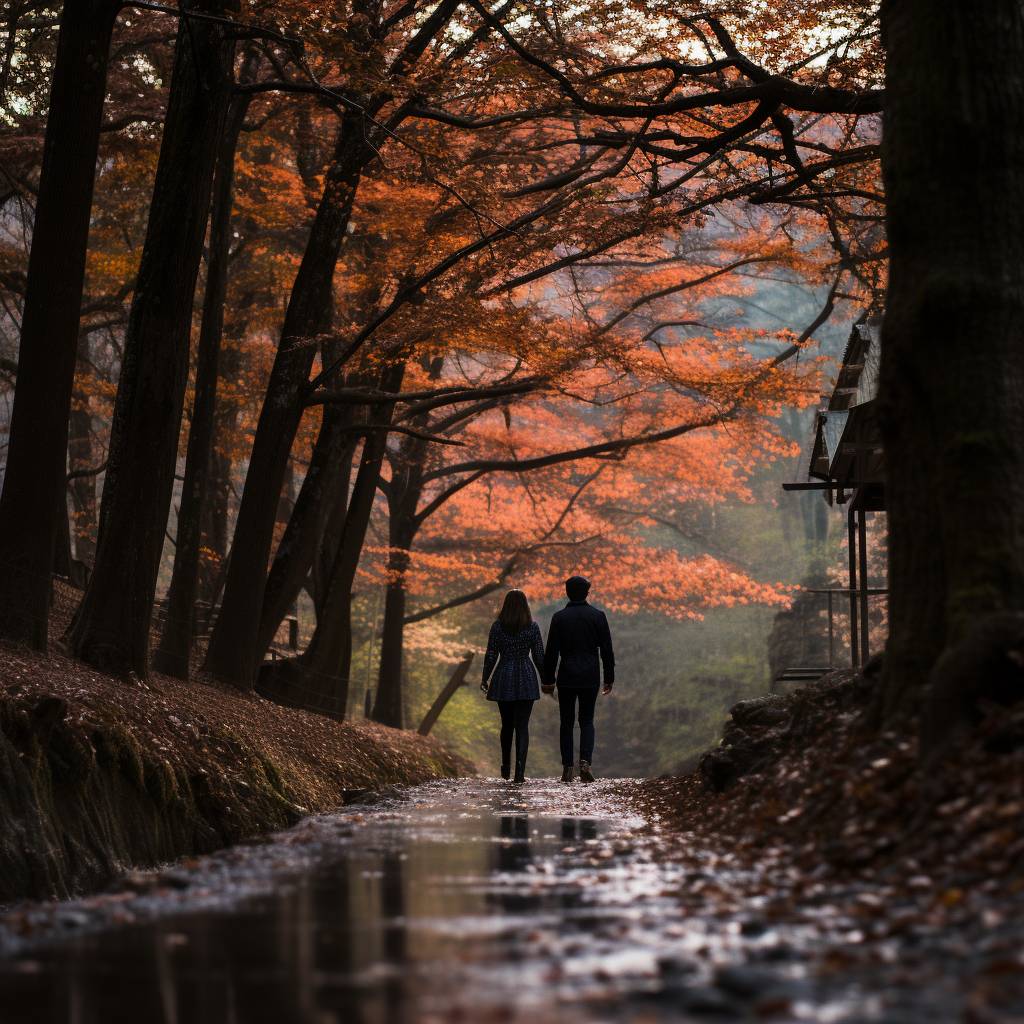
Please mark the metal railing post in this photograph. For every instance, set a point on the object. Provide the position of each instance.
(851, 534)
(862, 534)
(831, 634)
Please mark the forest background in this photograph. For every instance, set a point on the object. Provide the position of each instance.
(608, 314)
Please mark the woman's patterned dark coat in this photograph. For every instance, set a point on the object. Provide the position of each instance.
(514, 678)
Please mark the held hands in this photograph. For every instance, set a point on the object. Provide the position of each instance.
(548, 688)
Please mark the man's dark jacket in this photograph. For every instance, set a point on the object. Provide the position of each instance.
(578, 634)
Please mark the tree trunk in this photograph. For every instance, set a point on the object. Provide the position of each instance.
(82, 458)
(62, 556)
(321, 492)
(404, 493)
(320, 571)
(402, 527)
(216, 511)
(387, 707)
(111, 629)
(327, 661)
(34, 481)
(951, 393)
(232, 656)
(319, 678)
(455, 681)
(174, 652)
(214, 528)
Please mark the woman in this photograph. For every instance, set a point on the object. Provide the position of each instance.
(514, 638)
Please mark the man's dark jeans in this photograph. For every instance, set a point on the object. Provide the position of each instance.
(567, 698)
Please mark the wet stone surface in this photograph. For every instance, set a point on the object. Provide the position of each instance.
(469, 900)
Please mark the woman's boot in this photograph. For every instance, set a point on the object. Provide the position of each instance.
(505, 772)
(520, 772)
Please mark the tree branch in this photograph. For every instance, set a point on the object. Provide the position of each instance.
(773, 89)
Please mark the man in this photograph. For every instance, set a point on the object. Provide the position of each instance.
(578, 635)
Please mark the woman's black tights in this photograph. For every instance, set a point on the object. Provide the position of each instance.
(515, 718)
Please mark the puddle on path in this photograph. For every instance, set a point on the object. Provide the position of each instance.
(469, 901)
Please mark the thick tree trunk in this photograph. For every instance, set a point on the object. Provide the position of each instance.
(175, 649)
(232, 656)
(34, 481)
(111, 630)
(952, 377)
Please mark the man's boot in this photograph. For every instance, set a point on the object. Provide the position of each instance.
(567, 773)
(586, 775)
(520, 776)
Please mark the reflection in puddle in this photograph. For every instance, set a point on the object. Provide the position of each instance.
(471, 901)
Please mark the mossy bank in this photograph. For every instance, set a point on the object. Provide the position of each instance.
(98, 774)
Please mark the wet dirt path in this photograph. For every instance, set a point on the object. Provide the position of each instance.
(469, 900)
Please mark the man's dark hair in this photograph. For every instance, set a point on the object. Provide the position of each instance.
(577, 588)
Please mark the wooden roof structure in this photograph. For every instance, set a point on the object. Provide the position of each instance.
(846, 451)
(847, 463)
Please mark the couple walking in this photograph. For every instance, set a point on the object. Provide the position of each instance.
(577, 638)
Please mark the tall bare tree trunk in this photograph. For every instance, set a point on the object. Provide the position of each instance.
(952, 377)
(111, 629)
(34, 481)
(175, 649)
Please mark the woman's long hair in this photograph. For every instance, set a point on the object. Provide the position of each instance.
(515, 613)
